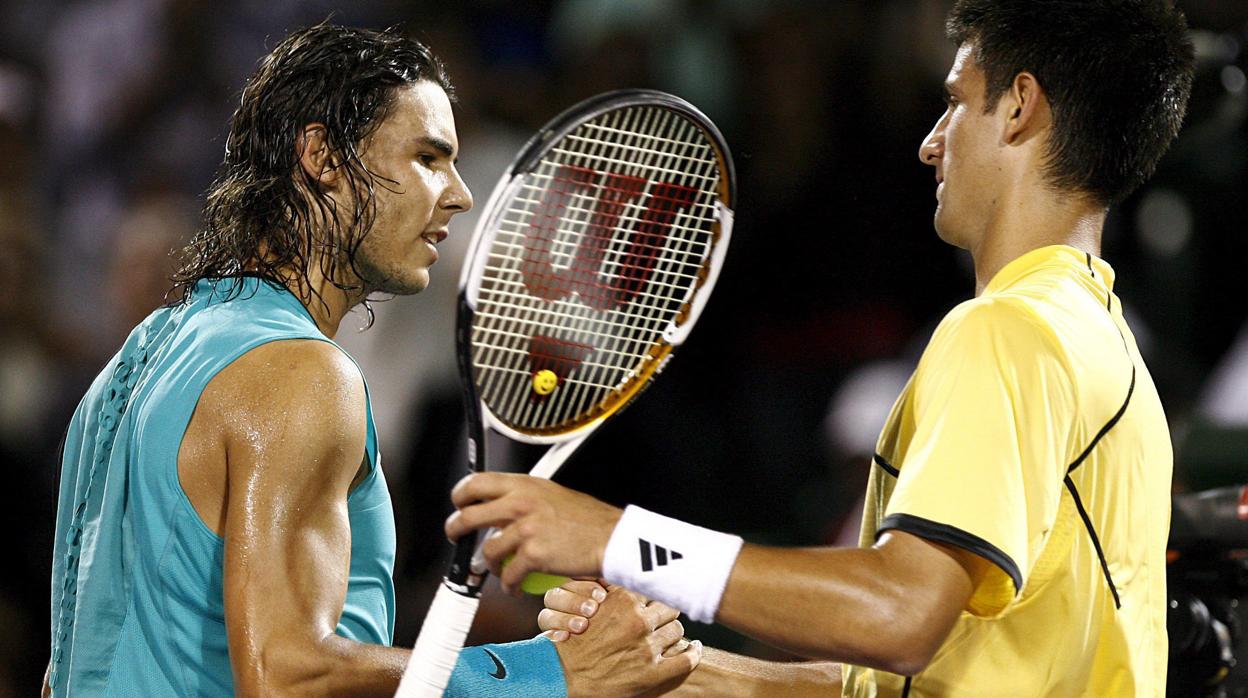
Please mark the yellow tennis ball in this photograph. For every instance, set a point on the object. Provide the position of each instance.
(545, 381)
(537, 583)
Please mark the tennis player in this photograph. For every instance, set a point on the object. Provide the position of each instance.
(224, 525)
(1017, 511)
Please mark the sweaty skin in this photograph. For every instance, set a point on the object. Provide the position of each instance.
(288, 540)
(270, 470)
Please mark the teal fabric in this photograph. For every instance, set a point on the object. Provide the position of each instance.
(137, 605)
(529, 669)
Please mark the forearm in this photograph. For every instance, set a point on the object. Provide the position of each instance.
(854, 605)
(344, 667)
(726, 674)
(889, 607)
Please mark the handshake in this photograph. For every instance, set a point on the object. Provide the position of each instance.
(615, 627)
(635, 646)
(612, 641)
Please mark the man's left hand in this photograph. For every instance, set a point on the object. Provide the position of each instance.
(543, 527)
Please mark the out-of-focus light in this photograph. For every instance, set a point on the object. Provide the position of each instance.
(862, 404)
(1226, 47)
(1164, 222)
(1233, 79)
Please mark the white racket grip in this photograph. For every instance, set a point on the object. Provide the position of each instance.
(676, 335)
(437, 647)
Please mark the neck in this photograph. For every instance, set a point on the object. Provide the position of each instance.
(326, 303)
(1032, 218)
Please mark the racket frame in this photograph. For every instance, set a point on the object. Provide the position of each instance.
(695, 298)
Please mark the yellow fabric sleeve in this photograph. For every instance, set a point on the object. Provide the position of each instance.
(993, 405)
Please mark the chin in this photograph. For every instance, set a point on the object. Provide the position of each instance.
(410, 284)
(405, 282)
(947, 233)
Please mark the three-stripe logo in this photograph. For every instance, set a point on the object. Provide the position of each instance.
(655, 555)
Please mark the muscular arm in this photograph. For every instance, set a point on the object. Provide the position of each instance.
(293, 418)
(889, 607)
(294, 435)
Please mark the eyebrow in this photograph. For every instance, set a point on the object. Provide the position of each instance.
(953, 92)
(439, 145)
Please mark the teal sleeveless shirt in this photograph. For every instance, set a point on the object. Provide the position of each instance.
(137, 603)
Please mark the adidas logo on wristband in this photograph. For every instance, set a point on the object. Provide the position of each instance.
(659, 556)
(694, 587)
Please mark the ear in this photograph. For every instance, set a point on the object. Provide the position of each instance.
(1026, 109)
(312, 149)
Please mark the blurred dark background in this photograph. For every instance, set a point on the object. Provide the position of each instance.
(112, 122)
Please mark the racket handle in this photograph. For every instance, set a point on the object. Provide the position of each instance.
(437, 647)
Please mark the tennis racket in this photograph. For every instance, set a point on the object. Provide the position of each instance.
(591, 263)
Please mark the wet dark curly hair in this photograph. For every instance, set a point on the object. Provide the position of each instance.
(264, 214)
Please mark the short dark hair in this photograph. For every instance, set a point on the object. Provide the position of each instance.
(255, 213)
(1117, 74)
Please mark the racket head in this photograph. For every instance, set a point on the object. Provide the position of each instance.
(592, 261)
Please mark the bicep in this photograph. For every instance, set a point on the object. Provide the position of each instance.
(287, 552)
(292, 453)
(931, 584)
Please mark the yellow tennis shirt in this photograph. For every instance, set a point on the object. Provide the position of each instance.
(1031, 434)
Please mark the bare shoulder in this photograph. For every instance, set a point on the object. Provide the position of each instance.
(291, 401)
(286, 370)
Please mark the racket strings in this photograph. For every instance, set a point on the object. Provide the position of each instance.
(658, 316)
(577, 391)
(606, 330)
(601, 247)
(577, 396)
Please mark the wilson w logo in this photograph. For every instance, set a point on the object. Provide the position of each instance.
(571, 191)
(655, 555)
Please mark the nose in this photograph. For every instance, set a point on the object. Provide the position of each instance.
(457, 198)
(933, 147)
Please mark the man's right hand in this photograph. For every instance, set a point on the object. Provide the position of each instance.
(633, 647)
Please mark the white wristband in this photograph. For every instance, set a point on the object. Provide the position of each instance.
(679, 564)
